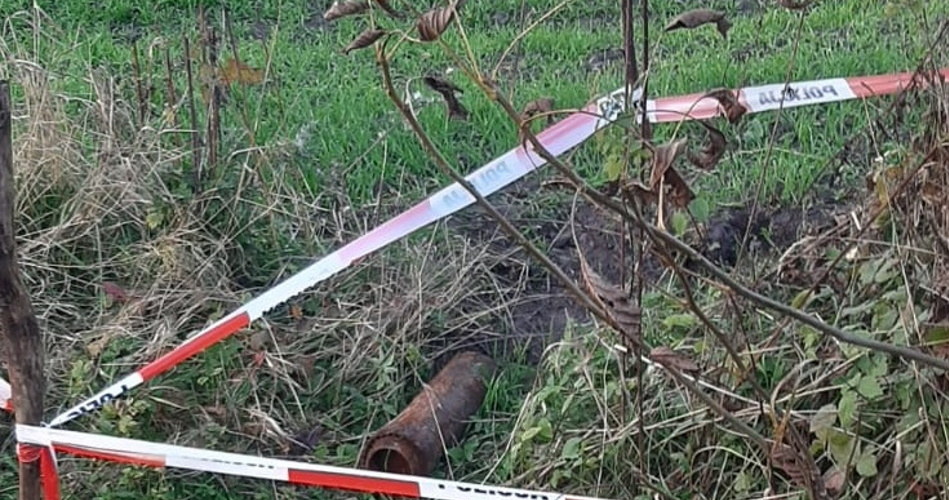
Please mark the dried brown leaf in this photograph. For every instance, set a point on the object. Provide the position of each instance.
(641, 191)
(616, 303)
(834, 479)
(538, 106)
(115, 292)
(235, 71)
(713, 151)
(733, 109)
(365, 39)
(662, 158)
(384, 5)
(346, 8)
(698, 17)
(790, 461)
(433, 23)
(296, 312)
(795, 4)
(532, 109)
(664, 173)
(667, 357)
(448, 90)
(681, 194)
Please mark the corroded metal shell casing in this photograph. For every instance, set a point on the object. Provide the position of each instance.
(413, 442)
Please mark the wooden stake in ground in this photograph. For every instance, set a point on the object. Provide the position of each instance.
(20, 332)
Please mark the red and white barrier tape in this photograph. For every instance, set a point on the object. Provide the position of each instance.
(516, 163)
(134, 452)
(6, 396)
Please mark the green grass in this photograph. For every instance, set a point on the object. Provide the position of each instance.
(308, 183)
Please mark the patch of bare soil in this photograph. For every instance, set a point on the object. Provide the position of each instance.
(540, 307)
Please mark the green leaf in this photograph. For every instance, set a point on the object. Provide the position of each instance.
(847, 407)
(682, 320)
(823, 420)
(857, 310)
(742, 482)
(679, 223)
(154, 219)
(869, 387)
(613, 167)
(801, 299)
(884, 317)
(887, 271)
(529, 434)
(867, 464)
(571, 449)
(831, 253)
(546, 432)
(700, 209)
(937, 334)
(840, 445)
(878, 366)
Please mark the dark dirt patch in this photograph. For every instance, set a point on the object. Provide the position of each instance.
(540, 307)
(770, 230)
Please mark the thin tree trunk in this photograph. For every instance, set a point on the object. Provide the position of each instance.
(18, 326)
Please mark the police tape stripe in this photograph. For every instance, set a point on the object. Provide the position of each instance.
(161, 455)
(516, 163)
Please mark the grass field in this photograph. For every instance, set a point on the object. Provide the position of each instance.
(312, 154)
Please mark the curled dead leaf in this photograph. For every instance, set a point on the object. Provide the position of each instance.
(681, 194)
(795, 4)
(433, 23)
(365, 39)
(668, 357)
(448, 90)
(616, 304)
(384, 5)
(733, 109)
(789, 460)
(698, 17)
(662, 158)
(532, 109)
(538, 106)
(713, 151)
(664, 173)
(345, 8)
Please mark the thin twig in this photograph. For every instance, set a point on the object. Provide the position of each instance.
(195, 133)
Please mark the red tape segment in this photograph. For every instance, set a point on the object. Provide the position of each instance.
(516, 163)
(160, 455)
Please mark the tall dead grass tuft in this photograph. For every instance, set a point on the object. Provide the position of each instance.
(95, 208)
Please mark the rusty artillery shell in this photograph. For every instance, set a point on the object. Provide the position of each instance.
(412, 443)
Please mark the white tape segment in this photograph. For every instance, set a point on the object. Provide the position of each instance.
(6, 396)
(773, 97)
(516, 163)
(145, 453)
